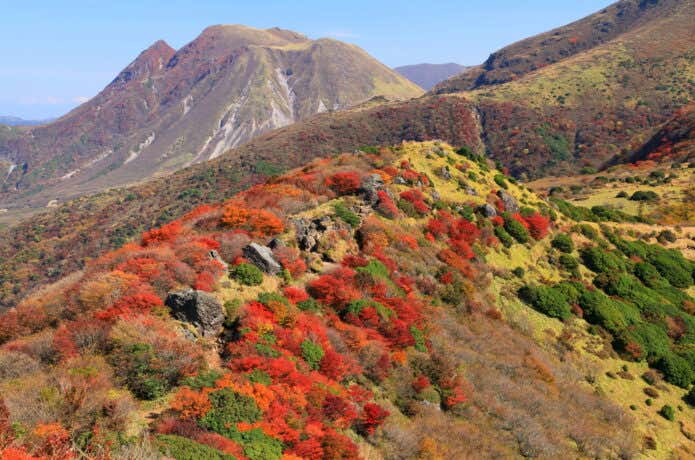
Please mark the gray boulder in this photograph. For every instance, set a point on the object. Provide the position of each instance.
(488, 210)
(262, 257)
(371, 184)
(444, 173)
(198, 308)
(510, 204)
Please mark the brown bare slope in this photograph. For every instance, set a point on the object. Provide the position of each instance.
(169, 109)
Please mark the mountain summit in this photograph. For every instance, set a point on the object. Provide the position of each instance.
(169, 108)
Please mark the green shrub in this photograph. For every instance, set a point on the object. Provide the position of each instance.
(259, 446)
(504, 237)
(547, 300)
(651, 338)
(419, 338)
(568, 262)
(267, 297)
(600, 260)
(227, 409)
(519, 272)
(247, 274)
(562, 242)
(667, 412)
(612, 315)
(309, 305)
(205, 379)
(312, 353)
(180, 448)
(516, 229)
(588, 231)
(690, 397)
(676, 370)
(644, 195)
(259, 376)
(501, 181)
(138, 363)
(374, 268)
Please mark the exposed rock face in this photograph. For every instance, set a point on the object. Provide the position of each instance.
(444, 173)
(371, 184)
(198, 308)
(262, 257)
(488, 210)
(510, 204)
(325, 237)
(309, 232)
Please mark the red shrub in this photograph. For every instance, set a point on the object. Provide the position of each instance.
(537, 225)
(295, 294)
(335, 289)
(417, 199)
(344, 183)
(386, 206)
(205, 282)
(372, 417)
(160, 235)
(420, 383)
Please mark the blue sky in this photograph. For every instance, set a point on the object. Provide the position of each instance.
(55, 54)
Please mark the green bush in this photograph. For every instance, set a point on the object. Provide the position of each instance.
(205, 379)
(562, 242)
(374, 268)
(138, 363)
(180, 448)
(501, 181)
(547, 300)
(676, 370)
(667, 412)
(568, 262)
(642, 195)
(588, 231)
(419, 338)
(601, 261)
(227, 409)
(516, 229)
(612, 315)
(247, 274)
(312, 353)
(504, 237)
(259, 446)
(690, 397)
(519, 272)
(309, 305)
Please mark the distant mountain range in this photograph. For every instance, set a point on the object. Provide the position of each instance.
(16, 121)
(169, 109)
(426, 76)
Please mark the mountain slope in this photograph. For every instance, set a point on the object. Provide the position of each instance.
(394, 325)
(172, 108)
(596, 106)
(58, 241)
(426, 76)
(528, 55)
